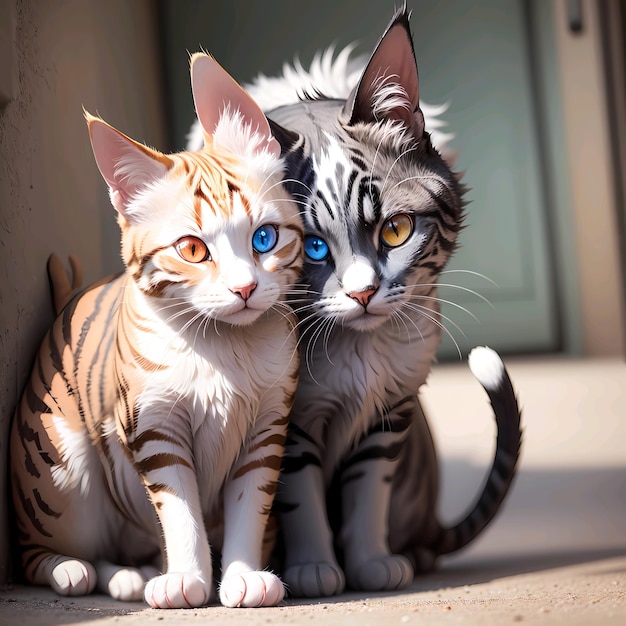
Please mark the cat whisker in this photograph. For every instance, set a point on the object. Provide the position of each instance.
(409, 178)
(422, 311)
(299, 309)
(317, 329)
(296, 329)
(190, 323)
(292, 200)
(380, 143)
(444, 301)
(394, 164)
(397, 318)
(473, 273)
(295, 181)
(453, 286)
(181, 313)
(403, 315)
(217, 330)
(262, 191)
(326, 340)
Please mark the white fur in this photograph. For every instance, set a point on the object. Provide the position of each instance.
(76, 451)
(487, 367)
(234, 134)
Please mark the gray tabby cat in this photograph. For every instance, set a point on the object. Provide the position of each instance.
(382, 210)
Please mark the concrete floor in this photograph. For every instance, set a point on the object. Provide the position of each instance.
(555, 555)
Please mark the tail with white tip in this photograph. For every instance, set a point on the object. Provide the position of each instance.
(489, 370)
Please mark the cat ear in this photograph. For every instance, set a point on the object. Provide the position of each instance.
(389, 86)
(285, 137)
(214, 90)
(126, 165)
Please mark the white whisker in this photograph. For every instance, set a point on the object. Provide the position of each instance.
(394, 164)
(478, 274)
(444, 301)
(422, 311)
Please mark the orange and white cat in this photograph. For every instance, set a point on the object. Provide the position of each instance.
(152, 428)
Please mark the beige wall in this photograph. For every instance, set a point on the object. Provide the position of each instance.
(592, 180)
(68, 54)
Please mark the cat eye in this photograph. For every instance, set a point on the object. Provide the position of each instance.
(315, 248)
(396, 230)
(265, 238)
(192, 249)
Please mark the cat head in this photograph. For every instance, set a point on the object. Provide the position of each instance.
(211, 234)
(383, 209)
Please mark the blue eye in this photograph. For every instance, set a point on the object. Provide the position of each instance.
(265, 238)
(315, 247)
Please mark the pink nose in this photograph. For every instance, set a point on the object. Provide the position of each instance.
(362, 297)
(245, 291)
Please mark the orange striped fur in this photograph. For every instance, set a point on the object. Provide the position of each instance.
(152, 428)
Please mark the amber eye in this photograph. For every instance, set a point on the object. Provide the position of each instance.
(396, 230)
(192, 249)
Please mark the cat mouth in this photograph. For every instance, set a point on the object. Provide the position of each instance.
(365, 321)
(243, 315)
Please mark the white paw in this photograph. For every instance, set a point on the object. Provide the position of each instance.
(251, 589)
(178, 590)
(314, 580)
(127, 585)
(383, 573)
(73, 578)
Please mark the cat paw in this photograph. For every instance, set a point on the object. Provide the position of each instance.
(127, 585)
(178, 590)
(73, 577)
(251, 589)
(314, 580)
(383, 573)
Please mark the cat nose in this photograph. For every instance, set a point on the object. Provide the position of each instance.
(363, 297)
(244, 291)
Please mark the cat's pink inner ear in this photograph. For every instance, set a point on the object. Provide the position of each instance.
(214, 90)
(393, 63)
(125, 165)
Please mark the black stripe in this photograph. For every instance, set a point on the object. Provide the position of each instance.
(96, 359)
(80, 343)
(293, 464)
(321, 197)
(348, 198)
(296, 431)
(43, 506)
(375, 452)
(446, 210)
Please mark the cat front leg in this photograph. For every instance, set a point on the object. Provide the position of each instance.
(248, 498)
(187, 582)
(366, 485)
(161, 450)
(311, 568)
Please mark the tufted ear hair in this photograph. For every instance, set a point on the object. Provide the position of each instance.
(126, 165)
(215, 91)
(389, 87)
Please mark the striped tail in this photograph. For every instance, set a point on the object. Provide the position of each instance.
(488, 368)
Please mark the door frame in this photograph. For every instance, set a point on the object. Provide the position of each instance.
(591, 200)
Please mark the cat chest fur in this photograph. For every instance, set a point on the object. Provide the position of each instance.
(340, 397)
